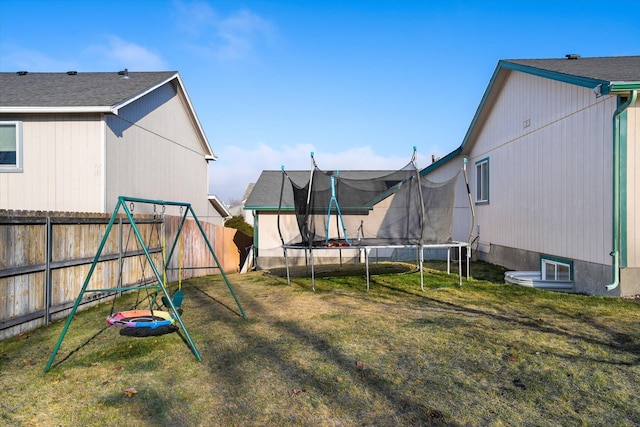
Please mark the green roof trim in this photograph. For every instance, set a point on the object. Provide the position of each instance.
(623, 86)
(554, 75)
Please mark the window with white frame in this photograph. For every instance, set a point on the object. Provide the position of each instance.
(555, 269)
(482, 181)
(10, 146)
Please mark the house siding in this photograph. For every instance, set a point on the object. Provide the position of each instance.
(549, 145)
(62, 168)
(160, 157)
(633, 187)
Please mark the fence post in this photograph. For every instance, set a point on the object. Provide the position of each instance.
(48, 291)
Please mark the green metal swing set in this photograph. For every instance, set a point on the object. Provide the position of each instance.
(149, 320)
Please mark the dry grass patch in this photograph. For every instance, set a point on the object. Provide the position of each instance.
(483, 354)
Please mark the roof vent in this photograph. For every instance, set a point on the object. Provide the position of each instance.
(71, 73)
(22, 73)
(572, 56)
(124, 73)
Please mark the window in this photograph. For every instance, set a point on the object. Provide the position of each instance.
(10, 146)
(482, 181)
(556, 269)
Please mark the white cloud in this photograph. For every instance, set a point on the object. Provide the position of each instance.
(224, 38)
(119, 53)
(237, 167)
(194, 17)
(16, 58)
(240, 32)
(115, 54)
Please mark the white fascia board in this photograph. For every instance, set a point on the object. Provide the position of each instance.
(210, 154)
(47, 110)
(219, 206)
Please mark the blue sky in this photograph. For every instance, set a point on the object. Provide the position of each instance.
(359, 83)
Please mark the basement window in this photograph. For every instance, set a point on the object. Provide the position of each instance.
(10, 146)
(556, 269)
(482, 181)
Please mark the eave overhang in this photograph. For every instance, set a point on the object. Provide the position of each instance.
(107, 109)
(219, 206)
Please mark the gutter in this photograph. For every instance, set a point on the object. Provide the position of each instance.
(62, 110)
(615, 238)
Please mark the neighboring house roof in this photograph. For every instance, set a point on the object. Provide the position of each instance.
(76, 92)
(266, 191)
(219, 206)
(605, 75)
(248, 191)
(238, 210)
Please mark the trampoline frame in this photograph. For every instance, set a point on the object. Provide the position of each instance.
(368, 248)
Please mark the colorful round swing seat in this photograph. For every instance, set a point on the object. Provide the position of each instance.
(141, 319)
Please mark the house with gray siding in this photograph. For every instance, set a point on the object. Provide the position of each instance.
(554, 153)
(76, 141)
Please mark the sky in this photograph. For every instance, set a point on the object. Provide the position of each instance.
(357, 83)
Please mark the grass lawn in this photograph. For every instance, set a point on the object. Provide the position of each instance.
(485, 354)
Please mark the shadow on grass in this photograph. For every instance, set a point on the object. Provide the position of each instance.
(62, 359)
(407, 409)
(618, 341)
(202, 293)
(344, 270)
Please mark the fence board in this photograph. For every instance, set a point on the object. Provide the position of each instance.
(26, 260)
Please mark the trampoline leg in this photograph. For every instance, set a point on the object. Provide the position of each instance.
(421, 260)
(366, 261)
(468, 257)
(286, 261)
(460, 264)
(313, 274)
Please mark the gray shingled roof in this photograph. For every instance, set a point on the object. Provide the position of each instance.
(610, 68)
(80, 90)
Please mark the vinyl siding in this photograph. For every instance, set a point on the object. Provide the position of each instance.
(549, 145)
(160, 157)
(61, 166)
(633, 186)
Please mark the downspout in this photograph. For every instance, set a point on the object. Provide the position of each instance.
(615, 253)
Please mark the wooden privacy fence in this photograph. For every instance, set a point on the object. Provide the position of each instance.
(45, 258)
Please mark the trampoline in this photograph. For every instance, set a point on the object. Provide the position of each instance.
(365, 212)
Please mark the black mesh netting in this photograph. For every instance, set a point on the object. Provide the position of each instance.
(369, 208)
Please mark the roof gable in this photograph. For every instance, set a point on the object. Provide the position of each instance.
(609, 74)
(99, 92)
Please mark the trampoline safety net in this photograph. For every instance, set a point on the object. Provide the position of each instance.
(356, 208)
